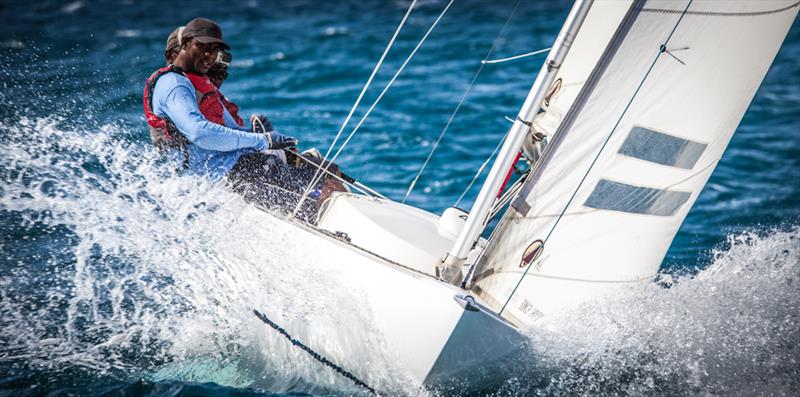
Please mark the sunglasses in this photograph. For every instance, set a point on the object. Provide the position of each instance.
(224, 57)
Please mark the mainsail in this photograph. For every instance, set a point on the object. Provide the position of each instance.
(650, 97)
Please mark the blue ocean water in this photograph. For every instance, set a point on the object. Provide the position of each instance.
(104, 265)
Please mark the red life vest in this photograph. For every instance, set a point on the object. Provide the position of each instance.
(210, 102)
(163, 131)
(208, 98)
(233, 109)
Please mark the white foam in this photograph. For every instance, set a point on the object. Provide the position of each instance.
(70, 8)
(730, 330)
(165, 271)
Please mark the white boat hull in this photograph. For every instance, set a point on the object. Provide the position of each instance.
(431, 338)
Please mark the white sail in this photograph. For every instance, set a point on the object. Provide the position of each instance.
(596, 32)
(666, 85)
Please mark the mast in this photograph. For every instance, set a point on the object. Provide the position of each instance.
(450, 267)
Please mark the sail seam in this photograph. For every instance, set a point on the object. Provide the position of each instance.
(722, 14)
(608, 138)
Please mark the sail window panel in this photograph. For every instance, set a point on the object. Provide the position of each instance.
(657, 147)
(615, 196)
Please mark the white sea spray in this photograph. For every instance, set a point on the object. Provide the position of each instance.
(731, 329)
(163, 274)
(137, 272)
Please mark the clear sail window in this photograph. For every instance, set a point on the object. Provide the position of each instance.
(661, 148)
(615, 196)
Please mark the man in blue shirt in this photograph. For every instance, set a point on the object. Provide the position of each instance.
(210, 149)
(216, 145)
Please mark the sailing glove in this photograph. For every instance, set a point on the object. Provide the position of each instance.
(278, 141)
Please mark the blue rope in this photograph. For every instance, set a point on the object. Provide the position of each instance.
(312, 353)
(662, 49)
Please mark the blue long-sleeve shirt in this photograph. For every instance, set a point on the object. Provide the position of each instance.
(214, 149)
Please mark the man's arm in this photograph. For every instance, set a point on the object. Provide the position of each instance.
(181, 107)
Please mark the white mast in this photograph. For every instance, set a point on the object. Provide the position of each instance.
(450, 268)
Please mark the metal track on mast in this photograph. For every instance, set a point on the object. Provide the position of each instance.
(450, 267)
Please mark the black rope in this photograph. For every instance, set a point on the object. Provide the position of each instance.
(263, 317)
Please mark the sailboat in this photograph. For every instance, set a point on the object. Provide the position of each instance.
(638, 100)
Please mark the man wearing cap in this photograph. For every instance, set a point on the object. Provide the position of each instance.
(174, 117)
(212, 104)
(218, 147)
(173, 45)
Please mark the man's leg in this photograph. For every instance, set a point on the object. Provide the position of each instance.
(268, 181)
(329, 184)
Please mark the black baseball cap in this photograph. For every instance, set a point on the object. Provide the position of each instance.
(205, 31)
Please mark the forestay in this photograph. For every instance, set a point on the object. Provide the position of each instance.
(650, 96)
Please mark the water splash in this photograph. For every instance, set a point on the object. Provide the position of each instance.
(115, 268)
(730, 330)
(149, 274)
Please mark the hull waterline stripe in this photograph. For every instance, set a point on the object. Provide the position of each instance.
(263, 317)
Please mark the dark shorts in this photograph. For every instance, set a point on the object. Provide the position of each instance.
(266, 180)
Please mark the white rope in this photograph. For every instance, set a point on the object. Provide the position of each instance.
(355, 105)
(480, 170)
(515, 57)
(460, 102)
(374, 103)
(389, 84)
(356, 184)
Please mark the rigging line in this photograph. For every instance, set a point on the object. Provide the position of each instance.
(661, 50)
(358, 101)
(348, 180)
(312, 353)
(722, 13)
(375, 103)
(515, 57)
(389, 84)
(507, 196)
(461, 101)
(481, 169)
